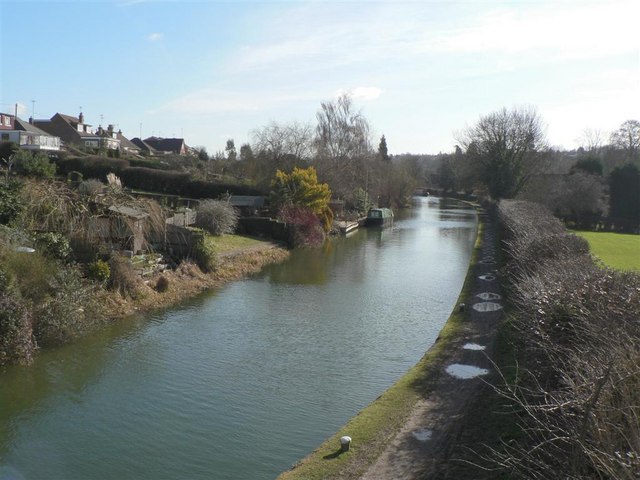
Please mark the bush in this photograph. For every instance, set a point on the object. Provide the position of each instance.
(34, 164)
(67, 313)
(123, 277)
(93, 166)
(306, 228)
(53, 245)
(11, 203)
(90, 187)
(204, 254)
(153, 180)
(162, 285)
(579, 389)
(32, 273)
(99, 271)
(17, 344)
(216, 217)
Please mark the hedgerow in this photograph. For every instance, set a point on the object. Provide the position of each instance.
(578, 344)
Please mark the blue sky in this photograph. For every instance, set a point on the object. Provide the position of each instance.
(420, 71)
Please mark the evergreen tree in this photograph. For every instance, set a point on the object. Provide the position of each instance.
(382, 149)
(624, 195)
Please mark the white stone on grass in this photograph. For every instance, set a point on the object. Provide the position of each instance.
(422, 434)
(465, 372)
(488, 277)
(489, 296)
(473, 346)
(487, 307)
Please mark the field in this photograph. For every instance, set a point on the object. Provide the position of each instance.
(616, 250)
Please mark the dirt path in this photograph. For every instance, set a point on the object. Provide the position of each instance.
(424, 446)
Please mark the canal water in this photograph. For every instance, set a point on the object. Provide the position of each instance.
(242, 382)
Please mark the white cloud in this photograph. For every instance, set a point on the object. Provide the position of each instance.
(155, 36)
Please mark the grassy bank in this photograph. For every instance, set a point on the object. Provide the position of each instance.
(617, 250)
(238, 257)
(377, 424)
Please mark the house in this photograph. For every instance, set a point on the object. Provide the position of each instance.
(109, 138)
(126, 145)
(26, 135)
(6, 121)
(168, 145)
(145, 148)
(73, 131)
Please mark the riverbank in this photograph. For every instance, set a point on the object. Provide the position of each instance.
(187, 280)
(391, 434)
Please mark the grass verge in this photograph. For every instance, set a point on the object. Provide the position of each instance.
(226, 243)
(617, 250)
(377, 424)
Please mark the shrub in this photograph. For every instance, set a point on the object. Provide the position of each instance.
(93, 166)
(123, 277)
(17, 344)
(99, 271)
(69, 311)
(32, 273)
(11, 203)
(54, 245)
(153, 180)
(162, 285)
(216, 217)
(579, 389)
(302, 189)
(90, 187)
(306, 228)
(34, 164)
(204, 254)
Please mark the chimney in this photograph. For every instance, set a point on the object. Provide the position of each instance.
(81, 118)
(110, 129)
(31, 120)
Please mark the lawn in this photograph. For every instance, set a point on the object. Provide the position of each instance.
(225, 243)
(616, 250)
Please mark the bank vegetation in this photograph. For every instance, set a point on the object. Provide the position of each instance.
(576, 395)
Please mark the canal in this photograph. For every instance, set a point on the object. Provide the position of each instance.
(244, 381)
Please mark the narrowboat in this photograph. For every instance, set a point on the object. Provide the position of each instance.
(379, 217)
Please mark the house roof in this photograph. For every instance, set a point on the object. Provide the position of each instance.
(175, 145)
(143, 145)
(125, 143)
(247, 201)
(27, 127)
(128, 212)
(63, 126)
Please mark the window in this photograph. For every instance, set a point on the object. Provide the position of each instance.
(6, 120)
(5, 137)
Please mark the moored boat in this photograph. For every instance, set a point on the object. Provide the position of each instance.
(379, 217)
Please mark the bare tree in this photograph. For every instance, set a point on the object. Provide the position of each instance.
(507, 144)
(279, 140)
(592, 140)
(343, 144)
(627, 138)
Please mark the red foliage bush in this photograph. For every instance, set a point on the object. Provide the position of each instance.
(306, 226)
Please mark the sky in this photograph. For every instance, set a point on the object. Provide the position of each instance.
(419, 71)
